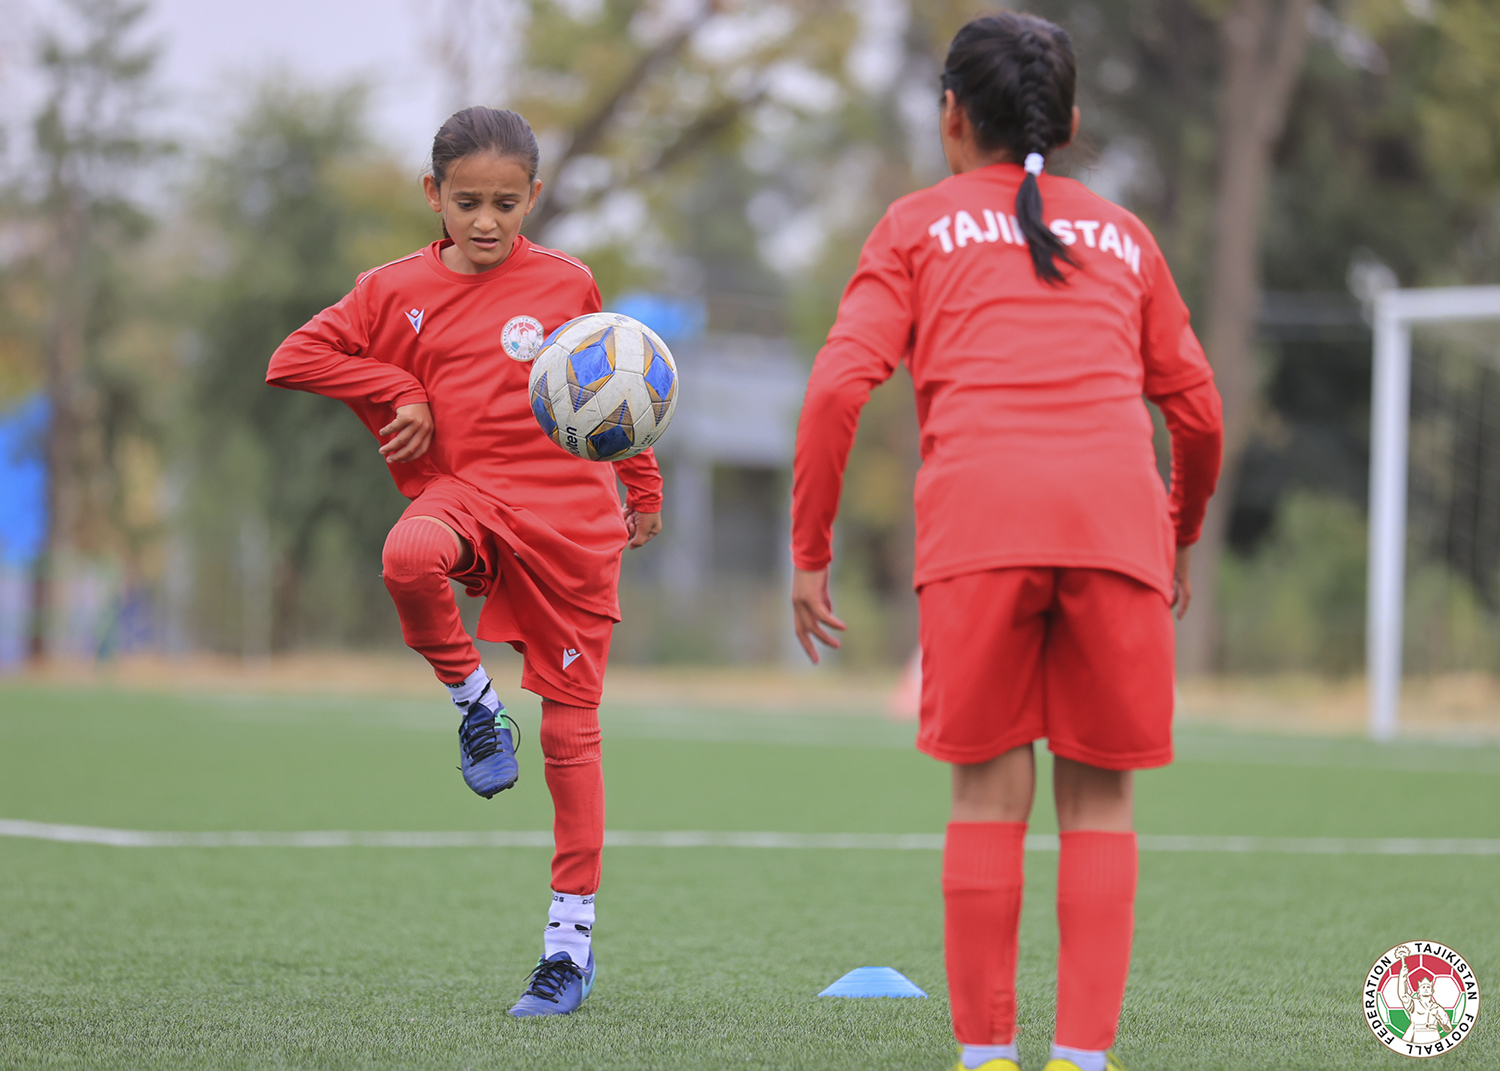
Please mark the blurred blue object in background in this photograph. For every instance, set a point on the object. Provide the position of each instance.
(23, 515)
(675, 319)
(23, 481)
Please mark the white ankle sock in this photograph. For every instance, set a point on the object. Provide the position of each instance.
(975, 1055)
(1086, 1059)
(469, 689)
(570, 927)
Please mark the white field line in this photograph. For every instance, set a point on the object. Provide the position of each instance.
(135, 838)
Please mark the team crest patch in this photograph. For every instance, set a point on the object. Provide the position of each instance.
(1421, 999)
(521, 337)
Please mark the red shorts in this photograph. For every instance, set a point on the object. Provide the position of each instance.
(565, 647)
(1083, 657)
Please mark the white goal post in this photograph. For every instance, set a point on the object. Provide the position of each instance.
(1390, 418)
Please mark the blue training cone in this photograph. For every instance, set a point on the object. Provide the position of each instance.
(873, 982)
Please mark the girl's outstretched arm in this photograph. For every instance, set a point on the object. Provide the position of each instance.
(868, 340)
(1180, 382)
(329, 356)
(1195, 421)
(1194, 418)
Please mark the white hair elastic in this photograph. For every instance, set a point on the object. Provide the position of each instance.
(1035, 163)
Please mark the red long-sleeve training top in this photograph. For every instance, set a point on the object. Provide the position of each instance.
(1035, 442)
(415, 330)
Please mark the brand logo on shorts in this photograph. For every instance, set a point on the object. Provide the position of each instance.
(1421, 999)
(570, 655)
(415, 316)
(521, 337)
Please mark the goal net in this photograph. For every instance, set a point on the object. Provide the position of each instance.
(1434, 567)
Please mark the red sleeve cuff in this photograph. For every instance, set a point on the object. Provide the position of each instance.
(811, 565)
(409, 397)
(644, 503)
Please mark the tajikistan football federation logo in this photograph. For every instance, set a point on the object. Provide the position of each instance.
(1421, 999)
(521, 337)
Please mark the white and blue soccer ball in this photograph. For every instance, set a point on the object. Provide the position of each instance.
(603, 386)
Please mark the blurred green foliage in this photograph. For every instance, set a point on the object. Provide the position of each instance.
(742, 159)
(1298, 605)
(288, 214)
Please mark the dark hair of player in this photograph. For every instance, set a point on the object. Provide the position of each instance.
(481, 129)
(1015, 76)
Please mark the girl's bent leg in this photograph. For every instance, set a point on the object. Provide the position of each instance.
(982, 884)
(1096, 882)
(420, 554)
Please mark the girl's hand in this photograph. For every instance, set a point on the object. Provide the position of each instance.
(643, 527)
(1182, 585)
(412, 431)
(812, 609)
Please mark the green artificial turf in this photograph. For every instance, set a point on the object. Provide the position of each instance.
(709, 957)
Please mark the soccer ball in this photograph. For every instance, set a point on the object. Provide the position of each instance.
(604, 386)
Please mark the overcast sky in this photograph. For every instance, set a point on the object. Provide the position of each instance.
(214, 49)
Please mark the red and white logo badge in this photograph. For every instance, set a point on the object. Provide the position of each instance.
(1421, 999)
(521, 337)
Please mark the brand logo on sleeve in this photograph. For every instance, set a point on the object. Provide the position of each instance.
(415, 316)
(521, 337)
(570, 655)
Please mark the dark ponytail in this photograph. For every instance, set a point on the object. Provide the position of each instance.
(481, 129)
(1015, 76)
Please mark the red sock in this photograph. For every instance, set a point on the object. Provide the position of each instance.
(982, 884)
(416, 563)
(1096, 874)
(575, 776)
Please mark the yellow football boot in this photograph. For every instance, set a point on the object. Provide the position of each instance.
(997, 1064)
(1110, 1064)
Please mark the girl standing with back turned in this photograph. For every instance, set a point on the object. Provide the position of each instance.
(431, 351)
(1033, 316)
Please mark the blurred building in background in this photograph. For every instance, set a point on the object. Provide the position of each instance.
(717, 584)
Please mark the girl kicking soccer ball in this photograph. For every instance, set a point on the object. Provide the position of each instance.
(1048, 554)
(431, 352)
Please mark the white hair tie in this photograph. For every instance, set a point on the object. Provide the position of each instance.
(1034, 163)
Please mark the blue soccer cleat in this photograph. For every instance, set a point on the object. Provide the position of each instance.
(558, 986)
(487, 750)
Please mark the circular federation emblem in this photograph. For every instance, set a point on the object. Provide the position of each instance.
(1421, 999)
(521, 337)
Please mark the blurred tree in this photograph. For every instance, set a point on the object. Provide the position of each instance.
(1388, 146)
(1262, 45)
(22, 298)
(297, 205)
(740, 152)
(1184, 104)
(1257, 167)
(89, 141)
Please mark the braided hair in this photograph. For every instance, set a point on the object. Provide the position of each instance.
(1015, 76)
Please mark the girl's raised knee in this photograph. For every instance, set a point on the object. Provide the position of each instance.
(418, 547)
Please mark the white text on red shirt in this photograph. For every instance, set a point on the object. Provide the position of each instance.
(961, 229)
